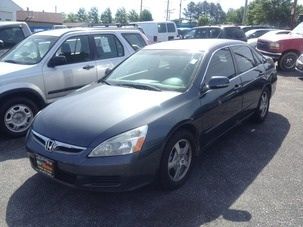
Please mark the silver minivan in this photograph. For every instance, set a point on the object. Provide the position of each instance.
(51, 64)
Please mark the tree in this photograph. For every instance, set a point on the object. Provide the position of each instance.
(203, 20)
(82, 15)
(146, 15)
(93, 15)
(235, 16)
(106, 16)
(70, 18)
(121, 16)
(190, 11)
(273, 12)
(133, 16)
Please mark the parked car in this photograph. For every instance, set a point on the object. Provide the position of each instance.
(212, 32)
(299, 64)
(51, 64)
(12, 33)
(247, 28)
(183, 31)
(285, 49)
(256, 33)
(152, 115)
(253, 41)
(158, 31)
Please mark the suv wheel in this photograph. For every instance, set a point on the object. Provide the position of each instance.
(177, 160)
(288, 61)
(16, 116)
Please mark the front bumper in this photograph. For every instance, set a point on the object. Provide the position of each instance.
(119, 173)
(299, 66)
(273, 55)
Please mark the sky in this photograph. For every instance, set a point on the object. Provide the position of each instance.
(157, 7)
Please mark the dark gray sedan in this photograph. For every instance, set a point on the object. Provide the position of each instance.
(152, 115)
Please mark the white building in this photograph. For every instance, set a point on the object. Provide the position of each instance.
(8, 10)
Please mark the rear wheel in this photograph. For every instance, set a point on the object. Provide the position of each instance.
(177, 160)
(16, 116)
(263, 107)
(288, 61)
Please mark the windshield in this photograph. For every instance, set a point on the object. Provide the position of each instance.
(31, 50)
(298, 29)
(171, 70)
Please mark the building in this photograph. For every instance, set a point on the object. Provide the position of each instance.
(38, 21)
(8, 10)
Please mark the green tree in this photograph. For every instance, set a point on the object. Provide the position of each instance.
(235, 16)
(121, 16)
(71, 17)
(146, 15)
(133, 16)
(272, 12)
(93, 15)
(106, 16)
(190, 11)
(203, 20)
(82, 15)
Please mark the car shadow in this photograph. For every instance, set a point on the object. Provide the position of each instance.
(219, 178)
(12, 148)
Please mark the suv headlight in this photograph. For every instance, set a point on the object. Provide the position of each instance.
(125, 143)
(274, 45)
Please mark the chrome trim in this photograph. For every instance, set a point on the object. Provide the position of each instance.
(58, 144)
(269, 53)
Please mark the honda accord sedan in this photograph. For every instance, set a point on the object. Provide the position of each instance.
(150, 117)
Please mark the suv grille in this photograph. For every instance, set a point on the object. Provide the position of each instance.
(56, 145)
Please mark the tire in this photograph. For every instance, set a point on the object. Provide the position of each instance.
(172, 162)
(263, 107)
(288, 61)
(16, 116)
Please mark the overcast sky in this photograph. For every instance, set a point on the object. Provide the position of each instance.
(157, 7)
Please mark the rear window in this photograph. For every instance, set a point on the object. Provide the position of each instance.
(162, 28)
(11, 36)
(234, 33)
(171, 27)
(135, 40)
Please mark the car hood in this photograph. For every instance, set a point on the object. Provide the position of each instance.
(100, 111)
(281, 37)
(10, 68)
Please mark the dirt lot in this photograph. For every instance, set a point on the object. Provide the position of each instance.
(253, 176)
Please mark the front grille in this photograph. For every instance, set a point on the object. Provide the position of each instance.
(263, 45)
(56, 145)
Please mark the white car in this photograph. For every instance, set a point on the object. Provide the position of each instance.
(51, 64)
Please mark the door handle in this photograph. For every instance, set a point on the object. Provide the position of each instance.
(88, 67)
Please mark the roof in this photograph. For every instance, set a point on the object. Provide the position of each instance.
(43, 17)
(193, 44)
(8, 23)
(218, 26)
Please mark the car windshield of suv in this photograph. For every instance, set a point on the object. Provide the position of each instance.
(298, 29)
(170, 70)
(31, 50)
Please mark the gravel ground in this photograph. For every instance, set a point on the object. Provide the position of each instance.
(251, 177)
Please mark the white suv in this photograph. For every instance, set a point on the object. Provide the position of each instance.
(51, 64)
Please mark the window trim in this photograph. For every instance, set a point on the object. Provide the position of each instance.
(95, 46)
(70, 37)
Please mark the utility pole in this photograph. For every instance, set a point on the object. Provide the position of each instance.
(293, 13)
(245, 12)
(180, 11)
(141, 3)
(167, 10)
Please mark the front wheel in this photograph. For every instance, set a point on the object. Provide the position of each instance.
(263, 107)
(177, 160)
(16, 116)
(288, 61)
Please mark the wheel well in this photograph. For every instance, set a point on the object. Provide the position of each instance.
(33, 96)
(295, 51)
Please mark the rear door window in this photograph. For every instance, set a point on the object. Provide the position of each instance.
(244, 58)
(108, 46)
(135, 40)
(162, 28)
(171, 27)
(11, 36)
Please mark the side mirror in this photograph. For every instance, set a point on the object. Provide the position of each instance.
(107, 71)
(217, 82)
(57, 60)
(1, 44)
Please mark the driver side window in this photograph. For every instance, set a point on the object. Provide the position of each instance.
(75, 50)
(221, 64)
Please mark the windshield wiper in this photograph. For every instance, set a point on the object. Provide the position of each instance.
(103, 81)
(11, 61)
(140, 86)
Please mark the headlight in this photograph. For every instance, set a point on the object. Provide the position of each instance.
(274, 45)
(125, 143)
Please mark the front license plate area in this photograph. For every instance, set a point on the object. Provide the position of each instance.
(45, 165)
